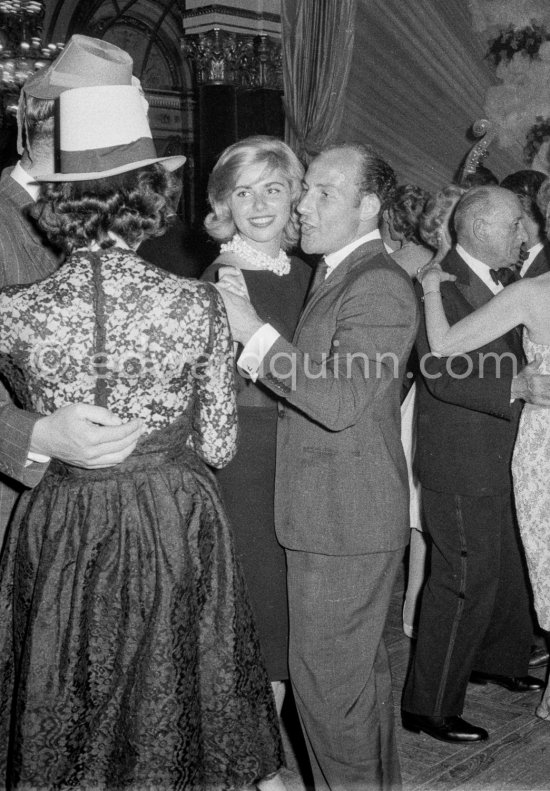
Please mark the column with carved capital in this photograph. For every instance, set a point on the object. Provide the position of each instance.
(235, 56)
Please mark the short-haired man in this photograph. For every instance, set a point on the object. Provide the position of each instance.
(81, 434)
(474, 618)
(341, 509)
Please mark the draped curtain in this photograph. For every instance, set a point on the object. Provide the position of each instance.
(317, 40)
(417, 81)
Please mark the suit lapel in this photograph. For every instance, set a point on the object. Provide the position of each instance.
(472, 287)
(360, 256)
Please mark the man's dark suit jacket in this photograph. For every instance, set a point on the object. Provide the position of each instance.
(341, 481)
(466, 424)
(24, 258)
(541, 263)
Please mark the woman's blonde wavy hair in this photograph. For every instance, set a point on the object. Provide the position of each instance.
(259, 149)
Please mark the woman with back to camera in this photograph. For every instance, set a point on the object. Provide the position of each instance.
(253, 191)
(436, 221)
(434, 227)
(128, 655)
(400, 227)
(524, 303)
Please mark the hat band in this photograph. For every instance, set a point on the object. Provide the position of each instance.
(98, 160)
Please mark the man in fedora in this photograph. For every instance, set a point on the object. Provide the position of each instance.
(81, 434)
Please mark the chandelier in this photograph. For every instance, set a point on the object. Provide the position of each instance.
(21, 48)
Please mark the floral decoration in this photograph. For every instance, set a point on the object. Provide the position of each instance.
(535, 137)
(510, 41)
(492, 16)
(518, 36)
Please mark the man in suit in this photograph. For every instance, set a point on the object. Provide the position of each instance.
(341, 509)
(81, 434)
(474, 619)
(526, 185)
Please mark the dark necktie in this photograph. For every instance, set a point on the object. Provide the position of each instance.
(504, 275)
(319, 277)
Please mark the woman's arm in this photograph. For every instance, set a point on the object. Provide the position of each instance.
(509, 309)
(217, 424)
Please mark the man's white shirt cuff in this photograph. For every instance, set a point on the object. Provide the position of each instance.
(256, 349)
(39, 458)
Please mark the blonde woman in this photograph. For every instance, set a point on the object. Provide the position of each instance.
(253, 191)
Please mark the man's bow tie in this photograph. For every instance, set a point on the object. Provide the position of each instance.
(504, 275)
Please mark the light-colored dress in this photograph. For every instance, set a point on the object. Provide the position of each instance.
(531, 471)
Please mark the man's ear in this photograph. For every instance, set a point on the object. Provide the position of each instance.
(370, 206)
(479, 229)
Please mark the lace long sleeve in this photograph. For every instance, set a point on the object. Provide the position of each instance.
(217, 418)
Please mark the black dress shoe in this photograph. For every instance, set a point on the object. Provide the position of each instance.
(513, 683)
(446, 729)
(539, 656)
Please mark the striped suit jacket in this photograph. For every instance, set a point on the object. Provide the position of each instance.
(24, 258)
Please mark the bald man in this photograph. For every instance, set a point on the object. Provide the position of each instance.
(474, 621)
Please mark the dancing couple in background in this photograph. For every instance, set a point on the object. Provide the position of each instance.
(524, 304)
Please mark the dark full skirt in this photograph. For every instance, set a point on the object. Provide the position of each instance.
(129, 658)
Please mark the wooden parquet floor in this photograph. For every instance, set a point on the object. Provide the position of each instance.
(515, 758)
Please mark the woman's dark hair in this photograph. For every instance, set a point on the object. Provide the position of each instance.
(526, 185)
(404, 210)
(135, 205)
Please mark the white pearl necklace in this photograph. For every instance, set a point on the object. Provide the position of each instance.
(279, 265)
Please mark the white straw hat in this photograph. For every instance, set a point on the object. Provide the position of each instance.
(103, 131)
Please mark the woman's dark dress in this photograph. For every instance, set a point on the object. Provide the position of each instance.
(128, 654)
(248, 482)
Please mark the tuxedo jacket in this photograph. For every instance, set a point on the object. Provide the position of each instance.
(25, 257)
(341, 478)
(466, 423)
(541, 263)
